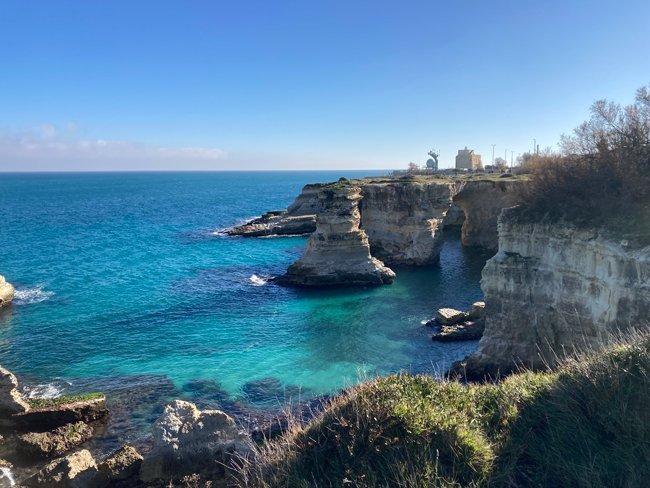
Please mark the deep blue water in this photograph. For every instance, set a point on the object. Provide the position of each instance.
(122, 280)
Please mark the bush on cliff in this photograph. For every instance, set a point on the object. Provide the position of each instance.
(602, 175)
(586, 424)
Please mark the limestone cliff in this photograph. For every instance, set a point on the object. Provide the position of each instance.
(403, 219)
(482, 202)
(338, 252)
(6, 292)
(552, 288)
(299, 218)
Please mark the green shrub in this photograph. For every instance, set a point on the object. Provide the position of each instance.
(586, 424)
(62, 400)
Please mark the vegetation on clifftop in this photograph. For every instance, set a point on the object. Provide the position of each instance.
(586, 424)
(601, 178)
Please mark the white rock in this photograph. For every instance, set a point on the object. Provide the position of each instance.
(6, 292)
(77, 470)
(450, 316)
(187, 440)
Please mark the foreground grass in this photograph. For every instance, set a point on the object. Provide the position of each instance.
(585, 425)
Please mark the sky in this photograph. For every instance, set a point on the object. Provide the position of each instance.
(94, 85)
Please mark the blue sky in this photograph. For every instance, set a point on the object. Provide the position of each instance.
(101, 85)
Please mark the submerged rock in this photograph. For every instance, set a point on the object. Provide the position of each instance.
(338, 252)
(42, 445)
(11, 401)
(6, 292)
(77, 470)
(187, 440)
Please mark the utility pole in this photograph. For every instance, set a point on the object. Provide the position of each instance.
(511, 155)
(505, 155)
(534, 145)
(493, 154)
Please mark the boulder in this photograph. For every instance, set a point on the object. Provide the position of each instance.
(77, 470)
(42, 445)
(450, 316)
(6, 292)
(62, 412)
(466, 331)
(478, 310)
(6, 476)
(123, 465)
(11, 402)
(187, 440)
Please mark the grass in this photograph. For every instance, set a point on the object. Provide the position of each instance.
(62, 400)
(587, 424)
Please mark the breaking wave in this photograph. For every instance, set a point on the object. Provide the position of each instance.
(27, 296)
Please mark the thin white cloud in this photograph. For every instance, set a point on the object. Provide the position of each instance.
(50, 148)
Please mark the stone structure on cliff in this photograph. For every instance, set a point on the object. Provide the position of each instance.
(6, 292)
(552, 289)
(338, 252)
(482, 202)
(468, 159)
(404, 219)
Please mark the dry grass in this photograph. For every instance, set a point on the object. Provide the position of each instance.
(586, 424)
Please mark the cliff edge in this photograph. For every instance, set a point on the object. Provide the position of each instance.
(552, 289)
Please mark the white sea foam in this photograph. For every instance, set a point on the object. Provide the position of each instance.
(27, 296)
(6, 474)
(45, 390)
(258, 281)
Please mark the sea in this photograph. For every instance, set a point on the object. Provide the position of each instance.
(126, 284)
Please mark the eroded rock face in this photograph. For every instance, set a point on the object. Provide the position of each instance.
(552, 289)
(77, 470)
(482, 202)
(338, 252)
(187, 440)
(298, 219)
(122, 465)
(48, 418)
(42, 445)
(404, 219)
(6, 292)
(11, 402)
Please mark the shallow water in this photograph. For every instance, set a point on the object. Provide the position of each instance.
(125, 285)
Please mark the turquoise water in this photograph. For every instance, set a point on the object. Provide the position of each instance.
(122, 280)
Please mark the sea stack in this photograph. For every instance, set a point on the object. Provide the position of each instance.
(338, 253)
(6, 292)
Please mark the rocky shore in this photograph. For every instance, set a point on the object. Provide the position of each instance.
(298, 219)
(401, 220)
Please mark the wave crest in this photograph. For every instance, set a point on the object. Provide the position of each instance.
(259, 280)
(27, 296)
